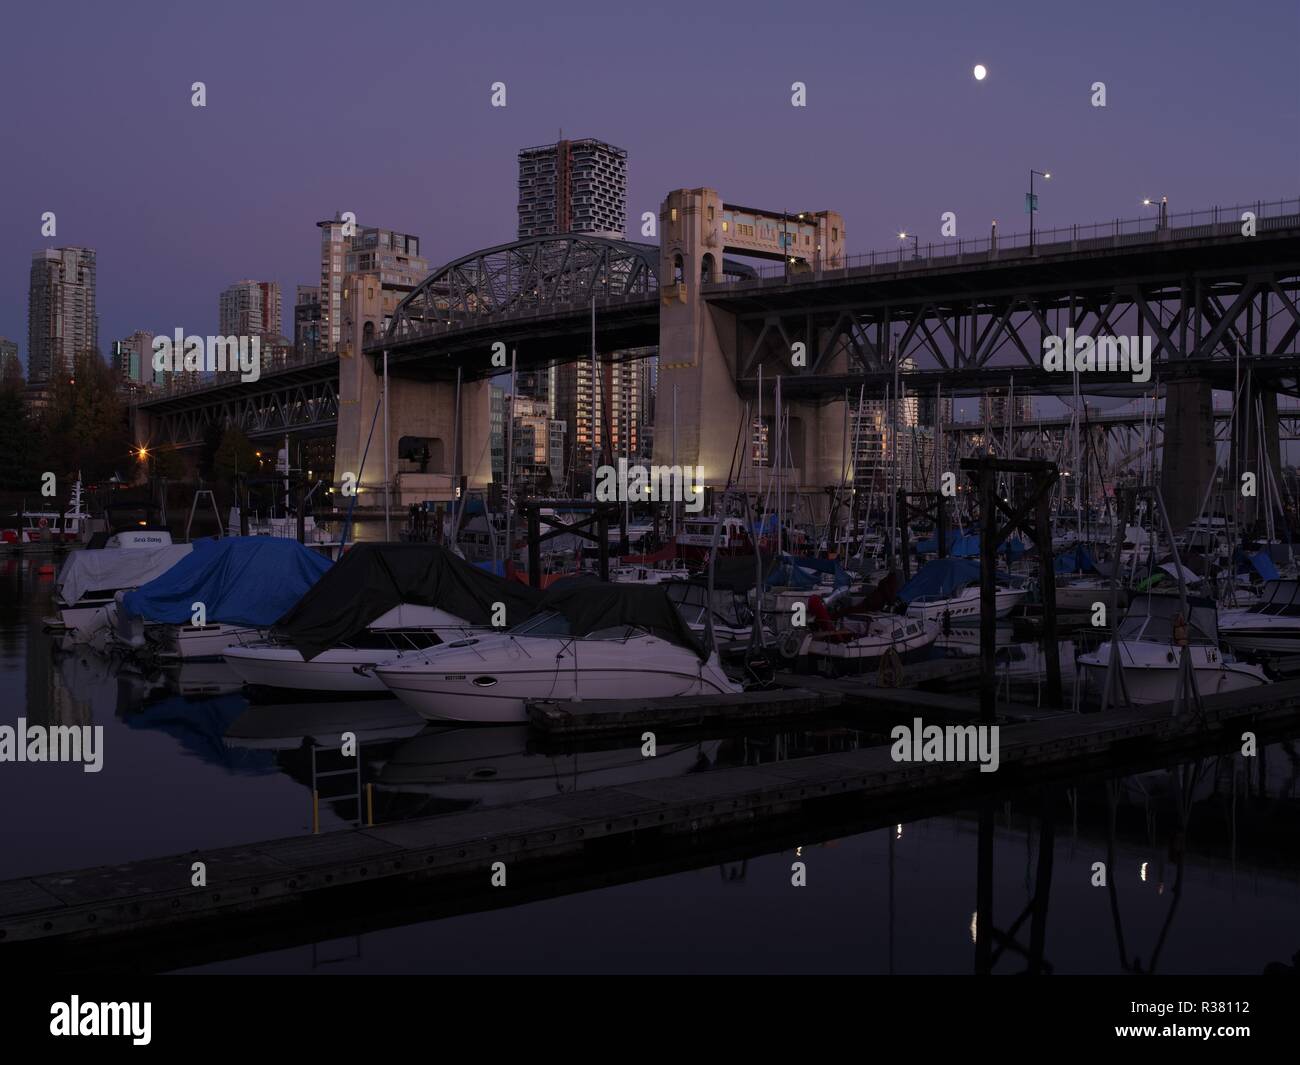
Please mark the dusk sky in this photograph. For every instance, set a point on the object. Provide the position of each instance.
(384, 109)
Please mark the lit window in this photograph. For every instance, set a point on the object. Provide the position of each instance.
(724, 226)
(672, 214)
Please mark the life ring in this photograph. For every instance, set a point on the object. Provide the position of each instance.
(44, 523)
(790, 644)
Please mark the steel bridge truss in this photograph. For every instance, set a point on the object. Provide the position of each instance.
(290, 407)
(1188, 317)
(526, 278)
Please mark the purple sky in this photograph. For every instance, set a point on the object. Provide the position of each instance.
(383, 109)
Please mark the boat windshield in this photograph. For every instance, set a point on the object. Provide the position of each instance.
(547, 623)
(1152, 618)
(553, 623)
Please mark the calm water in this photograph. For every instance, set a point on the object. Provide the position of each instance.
(189, 765)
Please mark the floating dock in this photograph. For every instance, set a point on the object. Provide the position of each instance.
(109, 907)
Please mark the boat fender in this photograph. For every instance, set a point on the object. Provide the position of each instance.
(1180, 631)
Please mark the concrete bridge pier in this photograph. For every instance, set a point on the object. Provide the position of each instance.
(698, 365)
(1188, 461)
(421, 421)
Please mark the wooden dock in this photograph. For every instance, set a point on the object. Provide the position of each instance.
(316, 874)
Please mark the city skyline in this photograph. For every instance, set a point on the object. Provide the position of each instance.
(891, 137)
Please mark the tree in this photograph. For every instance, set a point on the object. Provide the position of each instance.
(19, 441)
(85, 423)
(235, 456)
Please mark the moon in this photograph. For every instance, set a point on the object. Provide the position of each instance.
(981, 72)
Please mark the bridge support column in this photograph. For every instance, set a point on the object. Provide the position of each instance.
(1188, 460)
(697, 355)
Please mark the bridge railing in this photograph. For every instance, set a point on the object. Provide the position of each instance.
(1151, 228)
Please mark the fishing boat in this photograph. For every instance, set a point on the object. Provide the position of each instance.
(588, 641)
(376, 603)
(51, 526)
(1151, 641)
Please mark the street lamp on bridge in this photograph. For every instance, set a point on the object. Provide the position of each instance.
(916, 244)
(1164, 210)
(1031, 202)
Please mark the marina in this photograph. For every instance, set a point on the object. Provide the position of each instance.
(729, 496)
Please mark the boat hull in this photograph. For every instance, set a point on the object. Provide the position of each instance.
(1151, 672)
(331, 672)
(965, 610)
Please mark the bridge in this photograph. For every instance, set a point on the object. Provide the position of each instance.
(1215, 290)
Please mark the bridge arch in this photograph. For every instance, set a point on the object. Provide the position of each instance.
(527, 277)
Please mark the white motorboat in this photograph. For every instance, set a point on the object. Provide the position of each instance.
(1081, 594)
(732, 615)
(377, 602)
(274, 664)
(1271, 626)
(963, 606)
(189, 642)
(591, 641)
(90, 579)
(1150, 643)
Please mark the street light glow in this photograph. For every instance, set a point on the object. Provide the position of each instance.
(981, 72)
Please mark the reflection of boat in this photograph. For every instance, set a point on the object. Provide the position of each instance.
(1271, 625)
(285, 726)
(202, 678)
(591, 641)
(378, 602)
(494, 766)
(1151, 656)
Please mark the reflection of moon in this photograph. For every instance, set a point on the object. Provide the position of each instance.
(981, 72)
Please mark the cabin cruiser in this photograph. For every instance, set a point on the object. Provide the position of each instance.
(1270, 626)
(588, 641)
(376, 603)
(275, 665)
(1151, 641)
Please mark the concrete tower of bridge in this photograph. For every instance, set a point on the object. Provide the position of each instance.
(698, 367)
